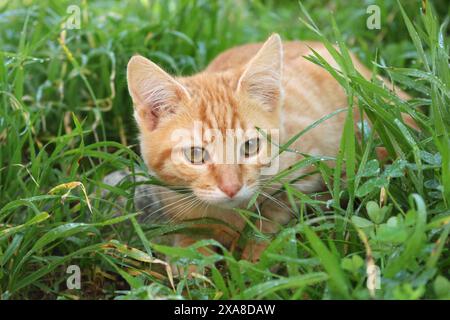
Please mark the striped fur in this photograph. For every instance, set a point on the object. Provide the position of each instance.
(269, 86)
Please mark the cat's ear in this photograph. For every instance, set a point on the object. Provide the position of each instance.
(154, 92)
(261, 79)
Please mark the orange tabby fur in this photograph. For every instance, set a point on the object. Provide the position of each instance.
(254, 85)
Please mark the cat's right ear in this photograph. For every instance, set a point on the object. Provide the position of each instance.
(154, 92)
(261, 79)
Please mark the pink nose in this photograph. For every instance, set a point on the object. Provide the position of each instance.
(230, 189)
(228, 179)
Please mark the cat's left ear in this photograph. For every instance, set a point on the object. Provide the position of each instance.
(154, 92)
(261, 79)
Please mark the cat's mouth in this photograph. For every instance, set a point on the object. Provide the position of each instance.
(229, 204)
(218, 198)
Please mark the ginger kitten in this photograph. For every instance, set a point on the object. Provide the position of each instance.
(269, 86)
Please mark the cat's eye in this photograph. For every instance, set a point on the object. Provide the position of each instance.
(250, 147)
(196, 155)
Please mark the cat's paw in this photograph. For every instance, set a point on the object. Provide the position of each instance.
(253, 250)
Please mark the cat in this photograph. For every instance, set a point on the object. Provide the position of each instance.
(269, 86)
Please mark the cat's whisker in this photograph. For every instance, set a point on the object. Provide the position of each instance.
(192, 204)
(166, 197)
(278, 202)
(205, 210)
(197, 203)
(173, 212)
(148, 192)
(161, 200)
(187, 209)
(167, 206)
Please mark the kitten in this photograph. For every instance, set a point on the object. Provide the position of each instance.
(269, 86)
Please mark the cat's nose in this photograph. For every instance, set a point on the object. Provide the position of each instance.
(228, 179)
(230, 188)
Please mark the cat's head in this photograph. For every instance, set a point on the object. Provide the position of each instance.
(186, 124)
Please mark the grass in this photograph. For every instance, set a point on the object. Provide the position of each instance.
(66, 122)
